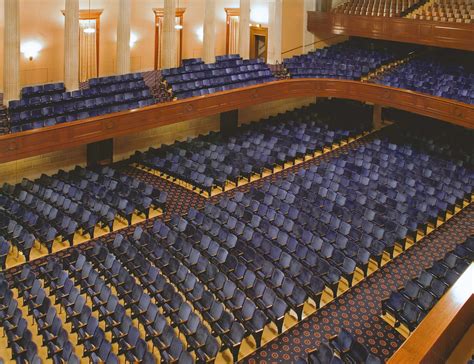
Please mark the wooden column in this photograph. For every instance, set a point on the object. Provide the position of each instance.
(244, 29)
(209, 41)
(274, 32)
(168, 54)
(71, 45)
(123, 37)
(11, 53)
(229, 121)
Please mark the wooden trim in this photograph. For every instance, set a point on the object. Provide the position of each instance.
(160, 13)
(229, 12)
(439, 332)
(93, 14)
(39, 141)
(431, 33)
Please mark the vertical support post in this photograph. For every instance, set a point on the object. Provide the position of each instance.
(377, 116)
(100, 153)
(229, 121)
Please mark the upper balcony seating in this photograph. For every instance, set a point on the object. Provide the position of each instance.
(42, 90)
(387, 8)
(453, 11)
(352, 60)
(341, 348)
(410, 304)
(195, 78)
(213, 160)
(439, 73)
(39, 107)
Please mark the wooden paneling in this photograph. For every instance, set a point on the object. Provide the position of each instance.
(35, 142)
(432, 33)
(439, 332)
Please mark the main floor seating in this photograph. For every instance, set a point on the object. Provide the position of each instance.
(341, 348)
(387, 8)
(410, 304)
(352, 60)
(196, 286)
(56, 208)
(50, 104)
(195, 78)
(215, 160)
(438, 73)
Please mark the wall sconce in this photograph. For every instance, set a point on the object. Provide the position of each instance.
(133, 39)
(200, 33)
(31, 49)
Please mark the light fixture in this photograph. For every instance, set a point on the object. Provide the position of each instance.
(89, 29)
(133, 39)
(31, 49)
(178, 26)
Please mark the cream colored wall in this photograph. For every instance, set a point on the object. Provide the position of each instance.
(292, 36)
(43, 22)
(14, 172)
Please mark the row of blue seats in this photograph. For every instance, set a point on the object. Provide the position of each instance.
(105, 95)
(80, 110)
(435, 74)
(339, 349)
(15, 328)
(114, 80)
(195, 78)
(351, 60)
(42, 90)
(410, 304)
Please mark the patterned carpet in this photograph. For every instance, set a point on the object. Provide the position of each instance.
(359, 308)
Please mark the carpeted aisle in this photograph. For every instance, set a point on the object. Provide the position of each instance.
(359, 308)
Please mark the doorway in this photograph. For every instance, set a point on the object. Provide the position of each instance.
(258, 42)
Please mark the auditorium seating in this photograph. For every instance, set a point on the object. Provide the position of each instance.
(453, 11)
(386, 8)
(447, 74)
(352, 60)
(409, 305)
(16, 329)
(195, 78)
(47, 105)
(56, 208)
(213, 161)
(341, 348)
(188, 288)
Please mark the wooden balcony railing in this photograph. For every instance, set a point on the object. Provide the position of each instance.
(440, 331)
(39, 141)
(431, 33)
